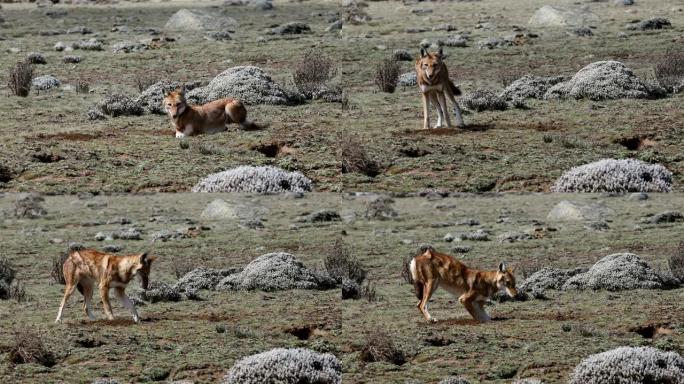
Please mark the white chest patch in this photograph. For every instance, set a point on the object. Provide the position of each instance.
(431, 88)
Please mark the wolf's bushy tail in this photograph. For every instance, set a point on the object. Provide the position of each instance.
(454, 89)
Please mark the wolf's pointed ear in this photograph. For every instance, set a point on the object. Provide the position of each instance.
(423, 52)
(182, 90)
(502, 267)
(440, 52)
(143, 258)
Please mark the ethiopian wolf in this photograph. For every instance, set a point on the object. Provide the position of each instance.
(431, 269)
(433, 80)
(212, 117)
(87, 269)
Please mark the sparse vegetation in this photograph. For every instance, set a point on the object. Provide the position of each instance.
(28, 347)
(341, 264)
(312, 71)
(387, 75)
(669, 70)
(20, 77)
(676, 262)
(379, 346)
(354, 157)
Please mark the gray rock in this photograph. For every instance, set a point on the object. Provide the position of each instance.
(513, 236)
(81, 30)
(582, 31)
(479, 235)
(350, 290)
(71, 59)
(262, 5)
(291, 28)
(461, 248)
(599, 226)
(60, 46)
(638, 196)
(129, 46)
(29, 205)
(651, 24)
(550, 16)
(35, 58)
(665, 217)
(623, 2)
(456, 41)
(493, 42)
(407, 79)
(572, 211)
(113, 248)
(402, 55)
(88, 45)
(193, 20)
(128, 234)
(45, 82)
(218, 36)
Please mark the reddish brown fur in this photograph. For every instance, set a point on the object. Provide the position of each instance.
(84, 268)
(435, 85)
(211, 117)
(472, 287)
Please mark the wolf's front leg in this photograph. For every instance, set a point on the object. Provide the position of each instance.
(128, 303)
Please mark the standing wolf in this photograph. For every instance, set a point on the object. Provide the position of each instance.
(87, 268)
(434, 83)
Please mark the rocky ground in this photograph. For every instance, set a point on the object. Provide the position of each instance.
(65, 138)
(190, 331)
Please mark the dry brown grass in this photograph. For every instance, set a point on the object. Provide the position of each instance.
(387, 75)
(354, 157)
(20, 77)
(380, 347)
(669, 70)
(341, 264)
(29, 348)
(312, 71)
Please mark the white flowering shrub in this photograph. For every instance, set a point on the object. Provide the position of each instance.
(203, 278)
(250, 84)
(630, 365)
(275, 272)
(610, 175)
(617, 272)
(119, 105)
(484, 100)
(265, 179)
(549, 278)
(530, 87)
(604, 80)
(286, 366)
